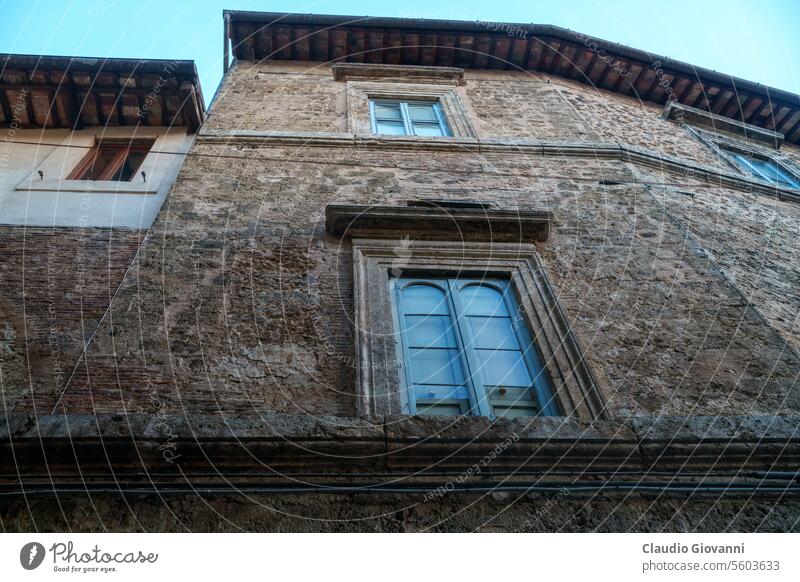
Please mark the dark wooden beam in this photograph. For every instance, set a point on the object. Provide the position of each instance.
(544, 46)
(753, 105)
(585, 73)
(793, 135)
(338, 44)
(445, 56)
(55, 88)
(282, 43)
(374, 46)
(790, 123)
(7, 115)
(636, 72)
(465, 53)
(704, 98)
(722, 99)
(603, 75)
(781, 116)
(567, 60)
(759, 114)
(322, 44)
(735, 109)
(651, 86)
(69, 101)
(410, 48)
(555, 50)
(302, 44)
(263, 43)
(393, 43)
(519, 49)
(190, 107)
(682, 87)
(427, 49)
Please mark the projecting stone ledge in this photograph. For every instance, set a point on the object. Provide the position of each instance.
(450, 223)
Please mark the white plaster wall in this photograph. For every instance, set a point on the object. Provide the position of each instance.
(26, 199)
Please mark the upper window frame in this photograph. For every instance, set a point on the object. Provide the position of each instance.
(121, 149)
(451, 97)
(728, 148)
(405, 116)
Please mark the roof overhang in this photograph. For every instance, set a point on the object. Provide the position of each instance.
(76, 92)
(509, 46)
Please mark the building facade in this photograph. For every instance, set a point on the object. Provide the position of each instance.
(422, 275)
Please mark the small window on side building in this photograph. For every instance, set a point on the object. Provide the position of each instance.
(112, 160)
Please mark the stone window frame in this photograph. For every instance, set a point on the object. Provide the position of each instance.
(378, 374)
(446, 94)
(723, 146)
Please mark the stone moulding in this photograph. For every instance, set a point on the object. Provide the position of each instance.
(455, 223)
(126, 450)
(352, 71)
(693, 116)
(580, 150)
(378, 378)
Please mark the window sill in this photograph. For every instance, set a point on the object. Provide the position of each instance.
(95, 186)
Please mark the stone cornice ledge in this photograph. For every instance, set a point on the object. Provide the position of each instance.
(406, 73)
(62, 444)
(591, 150)
(686, 114)
(463, 223)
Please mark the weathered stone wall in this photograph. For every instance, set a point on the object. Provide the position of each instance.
(291, 97)
(491, 512)
(681, 293)
(244, 303)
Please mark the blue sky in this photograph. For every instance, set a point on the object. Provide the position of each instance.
(753, 39)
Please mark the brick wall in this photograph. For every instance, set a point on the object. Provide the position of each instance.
(56, 285)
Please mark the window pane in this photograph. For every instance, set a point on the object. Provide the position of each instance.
(442, 400)
(427, 129)
(513, 402)
(483, 300)
(387, 111)
(129, 168)
(422, 112)
(773, 172)
(434, 393)
(786, 178)
(425, 331)
(746, 165)
(493, 333)
(500, 368)
(390, 128)
(424, 300)
(436, 366)
(100, 164)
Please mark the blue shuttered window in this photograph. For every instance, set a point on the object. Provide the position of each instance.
(768, 170)
(466, 350)
(408, 118)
